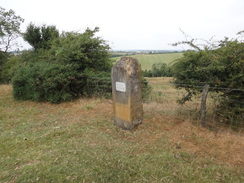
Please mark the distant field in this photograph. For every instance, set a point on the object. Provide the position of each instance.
(147, 60)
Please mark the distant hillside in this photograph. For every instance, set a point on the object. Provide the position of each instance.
(147, 60)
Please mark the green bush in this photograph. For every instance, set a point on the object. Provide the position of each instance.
(54, 83)
(98, 84)
(76, 64)
(158, 70)
(57, 83)
(3, 58)
(9, 68)
(83, 49)
(59, 72)
(222, 69)
(146, 89)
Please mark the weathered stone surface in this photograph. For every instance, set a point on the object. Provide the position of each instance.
(126, 88)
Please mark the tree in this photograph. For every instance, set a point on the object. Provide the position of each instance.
(221, 66)
(76, 64)
(158, 70)
(40, 36)
(82, 49)
(161, 70)
(9, 28)
(9, 32)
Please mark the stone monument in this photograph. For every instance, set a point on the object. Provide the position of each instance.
(126, 89)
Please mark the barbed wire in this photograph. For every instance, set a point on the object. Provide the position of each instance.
(107, 80)
(217, 88)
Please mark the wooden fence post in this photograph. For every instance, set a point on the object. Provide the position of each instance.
(203, 105)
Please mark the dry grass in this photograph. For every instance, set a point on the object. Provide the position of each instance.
(164, 97)
(222, 144)
(221, 147)
(77, 142)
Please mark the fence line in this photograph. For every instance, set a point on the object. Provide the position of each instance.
(167, 94)
(216, 88)
(165, 97)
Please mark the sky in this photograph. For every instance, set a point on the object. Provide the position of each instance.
(136, 24)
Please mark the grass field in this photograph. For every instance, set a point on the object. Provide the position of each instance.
(77, 142)
(147, 60)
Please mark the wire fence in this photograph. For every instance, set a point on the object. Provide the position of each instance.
(165, 97)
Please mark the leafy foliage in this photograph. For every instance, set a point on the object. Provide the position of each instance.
(3, 58)
(55, 83)
(9, 68)
(9, 28)
(222, 68)
(47, 82)
(73, 65)
(9, 32)
(40, 36)
(158, 70)
(83, 49)
(146, 89)
(98, 84)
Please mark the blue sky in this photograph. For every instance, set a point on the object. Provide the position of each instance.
(136, 24)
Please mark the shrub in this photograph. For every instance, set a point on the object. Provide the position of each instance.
(9, 68)
(54, 83)
(75, 64)
(221, 68)
(158, 70)
(83, 49)
(59, 72)
(57, 83)
(98, 84)
(146, 89)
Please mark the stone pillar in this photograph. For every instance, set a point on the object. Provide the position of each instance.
(126, 89)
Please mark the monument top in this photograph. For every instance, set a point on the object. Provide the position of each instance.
(130, 64)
